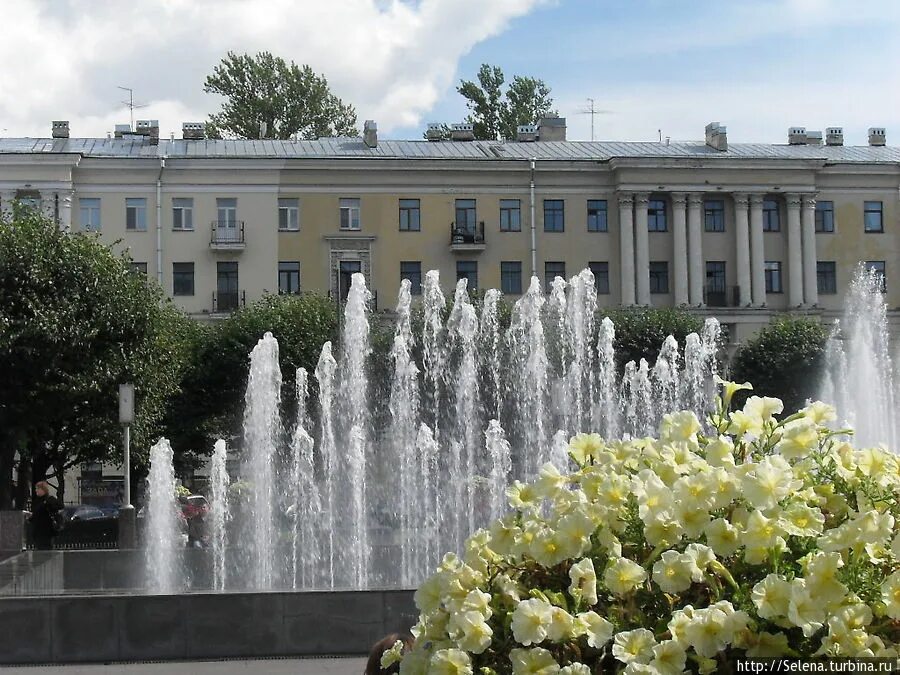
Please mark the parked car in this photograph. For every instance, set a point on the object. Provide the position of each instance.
(81, 512)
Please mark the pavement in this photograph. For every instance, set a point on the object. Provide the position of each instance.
(342, 666)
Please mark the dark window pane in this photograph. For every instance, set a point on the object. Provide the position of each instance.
(716, 295)
(183, 278)
(773, 276)
(468, 269)
(288, 277)
(771, 219)
(412, 270)
(826, 277)
(510, 215)
(465, 214)
(878, 267)
(714, 215)
(601, 276)
(659, 277)
(596, 215)
(656, 216)
(554, 215)
(511, 277)
(873, 217)
(409, 215)
(551, 271)
(824, 216)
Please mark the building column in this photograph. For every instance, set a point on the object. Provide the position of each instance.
(757, 251)
(742, 248)
(6, 201)
(641, 248)
(66, 202)
(626, 247)
(679, 248)
(695, 250)
(795, 253)
(808, 228)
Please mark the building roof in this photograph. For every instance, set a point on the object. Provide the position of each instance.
(335, 148)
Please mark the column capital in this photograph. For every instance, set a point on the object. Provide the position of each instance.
(756, 200)
(694, 199)
(625, 198)
(741, 199)
(678, 198)
(642, 198)
(793, 200)
(809, 200)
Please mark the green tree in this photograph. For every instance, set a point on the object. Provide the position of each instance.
(286, 98)
(784, 360)
(640, 331)
(211, 401)
(495, 115)
(75, 322)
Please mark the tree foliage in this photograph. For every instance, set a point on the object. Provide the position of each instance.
(288, 99)
(75, 322)
(641, 331)
(211, 402)
(495, 114)
(784, 360)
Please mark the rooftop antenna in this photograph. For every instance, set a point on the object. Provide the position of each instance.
(593, 110)
(130, 104)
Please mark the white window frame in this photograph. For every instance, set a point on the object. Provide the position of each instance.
(352, 206)
(292, 217)
(187, 213)
(140, 214)
(91, 210)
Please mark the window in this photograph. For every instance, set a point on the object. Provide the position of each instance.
(826, 277)
(288, 277)
(412, 270)
(409, 215)
(596, 215)
(465, 214)
(659, 277)
(139, 267)
(227, 294)
(30, 200)
(715, 284)
(349, 213)
(656, 217)
(346, 270)
(226, 211)
(773, 276)
(182, 213)
(824, 216)
(771, 220)
(601, 276)
(288, 214)
(468, 269)
(183, 278)
(510, 215)
(551, 271)
(554, 215)
(89, 214)
(714, 215)
(878, 267)
(511, 277)
(136, 214)
(872, 217)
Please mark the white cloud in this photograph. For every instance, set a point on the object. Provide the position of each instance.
(64, 59)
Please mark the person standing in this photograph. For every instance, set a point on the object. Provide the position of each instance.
(44, 517)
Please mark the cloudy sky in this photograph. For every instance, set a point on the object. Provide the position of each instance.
(652, 66)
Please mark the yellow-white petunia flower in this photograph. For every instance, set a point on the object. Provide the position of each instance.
(623, 576)
(535, 661)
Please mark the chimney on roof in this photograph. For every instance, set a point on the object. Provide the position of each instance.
(814, 138)
(435, 131)
(122, 129)
(834, 136)
(462, 132)
(797, 135)
(716, 136)
(877, 136)
(148, 129)
(526, 133)
(552, 129)
(60, 129)
(370, 134)
(193, 131)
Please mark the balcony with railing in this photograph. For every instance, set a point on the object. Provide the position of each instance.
(227, 235)
(465, 239)
(225, 302)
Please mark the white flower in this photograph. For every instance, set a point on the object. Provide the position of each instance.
(763, 407)
(529, 621)
(476, 632)
(450, 662)
(709, 632)
(669, 658)
(533, 662)
(673, 572)
(722, 537)
(679, 426)
(772, 596)
(561, 626)
(392, 655)
(634, 645)
(770, 481)
(623, 576)
(805, 611)
(798, 439)
(584, 581)
(597, 629)
(575, 669)
(890, 595)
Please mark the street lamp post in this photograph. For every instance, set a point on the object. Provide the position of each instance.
(126, 511)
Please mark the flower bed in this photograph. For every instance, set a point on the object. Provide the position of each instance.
(763, 538)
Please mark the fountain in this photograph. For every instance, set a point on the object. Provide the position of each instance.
(162, 532)
(349, 499)
(218, 513)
